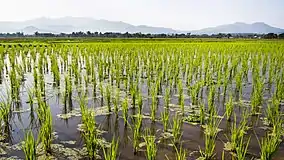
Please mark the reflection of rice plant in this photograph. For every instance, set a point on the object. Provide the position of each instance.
(151, 148)
(45, 135)
(112, 152)
(177, 124)
(29, 146)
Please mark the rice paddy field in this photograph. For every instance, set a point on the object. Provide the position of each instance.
(154, 100)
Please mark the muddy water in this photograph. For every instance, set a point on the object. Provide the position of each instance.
(66, 130)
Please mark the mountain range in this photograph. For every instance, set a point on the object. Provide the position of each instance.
(76, 24)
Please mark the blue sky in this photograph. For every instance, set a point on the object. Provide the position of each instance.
(177, 14)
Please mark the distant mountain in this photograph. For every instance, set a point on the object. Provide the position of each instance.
(76, 24)
(239, 27)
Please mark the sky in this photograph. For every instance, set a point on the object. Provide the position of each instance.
(177, 14)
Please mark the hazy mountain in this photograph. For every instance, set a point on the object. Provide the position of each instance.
(76, 24)
(238, 27)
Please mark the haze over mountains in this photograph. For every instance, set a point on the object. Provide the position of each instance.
(76, 24)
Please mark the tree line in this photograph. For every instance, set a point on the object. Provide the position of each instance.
(143, 35)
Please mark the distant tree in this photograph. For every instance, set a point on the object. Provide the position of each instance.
(270, 36)
(281, 35)
(89, 33)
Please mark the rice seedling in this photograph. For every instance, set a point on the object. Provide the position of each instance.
(167, 98)
(5, 114)
(202, 114)
(112, 152)
(210, 133)
(108, 97)
(242, 149)
(29, 147)
(116, 100)
(45, 135)
(140, 103)
(154, 103)
(151, 147)
(137, 133)
(229, 108)
(165, 119)
(180, 153)
(176, 130)
(125, 110)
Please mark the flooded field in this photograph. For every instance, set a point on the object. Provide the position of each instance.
(202, 100)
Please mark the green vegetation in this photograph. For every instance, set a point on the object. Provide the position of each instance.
(219, 87)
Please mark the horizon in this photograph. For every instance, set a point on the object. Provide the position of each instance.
(178, 15)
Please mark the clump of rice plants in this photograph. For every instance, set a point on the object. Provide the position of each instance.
(108, 97)
(151, 147)
(154, 103)
(210, 133)
(29, 146)
(176, 130)
(125, 110)
(112, 152)
(165, 119)
(229, 108)
(137, 133)
(45, 135)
